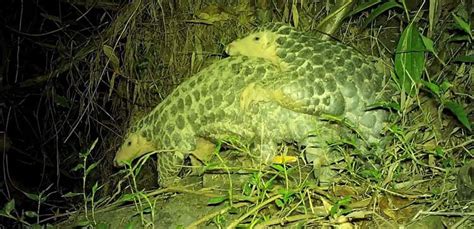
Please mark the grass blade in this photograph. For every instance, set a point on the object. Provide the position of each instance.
(409, 59)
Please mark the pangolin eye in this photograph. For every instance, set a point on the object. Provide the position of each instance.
(256, 38)
(129, 143)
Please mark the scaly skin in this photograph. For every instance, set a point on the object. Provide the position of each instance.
(296, 80)
(318, 77)
(207, 106)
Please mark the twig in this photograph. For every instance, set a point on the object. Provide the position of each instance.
(255, 209)
(286, 220)
(210, 216)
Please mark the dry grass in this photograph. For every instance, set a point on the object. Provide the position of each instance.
(152, 46)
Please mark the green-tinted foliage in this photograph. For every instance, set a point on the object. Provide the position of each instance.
(381, 9)
(114, 60)
(71, 194)
(31, 214)
(409, 59)
(466, 59)
(363, 6)
(462, 24)
(341, 206)
(216, 200)
(8, 208)
(101, 226)
(279, 168)
(458, 110)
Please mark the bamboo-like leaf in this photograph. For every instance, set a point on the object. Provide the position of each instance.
(466, 27)
(459, 112)
(433, 15)
(71, 194)
(31, 214)
(381, 9)
(445, 85)
(32, 196)
(363, 6)
(216, 200)
(428, 43)
(278, 167)
(91, 167)
(95, 187)
(433, 87)
(409, 59)
(279, 203)
(294, 12)
(114, 60)
(77, 167)
(8, 208)
(467, 59)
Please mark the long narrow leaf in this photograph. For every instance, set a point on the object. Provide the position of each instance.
(409, 59)
(467, 59)
(363, 6)
(460, 113)
(379, 10)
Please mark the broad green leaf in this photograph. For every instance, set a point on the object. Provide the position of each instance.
(278, 167)
(279, 203)
(216, 200)
(8, 208)
(466, 27)
(428, 44)
(381, 9)
(459, 112)
(467, 59)
(433, 87)
(363, 6)
(409, 59)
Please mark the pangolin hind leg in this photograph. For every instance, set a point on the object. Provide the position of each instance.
(318, 151)
(202, 154)
(170, 164)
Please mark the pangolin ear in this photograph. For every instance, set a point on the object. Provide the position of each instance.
(269, 39)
